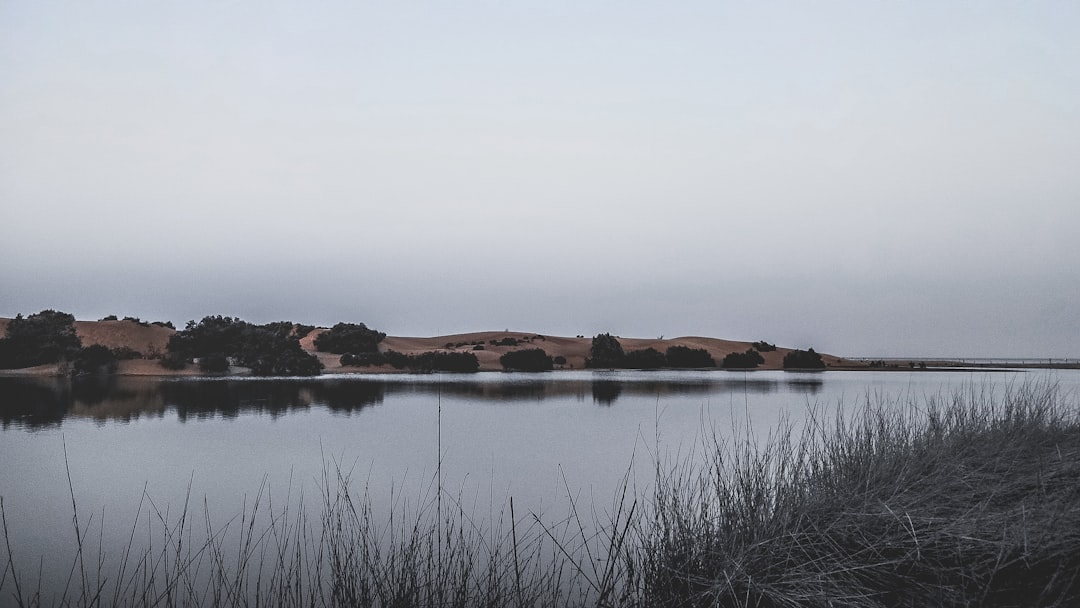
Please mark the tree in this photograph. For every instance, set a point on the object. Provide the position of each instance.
(803, 359)
(94, 360)
(646, 358)
(45, 337)
(527, 360)
(349, 338)
(606, 352)
(748, 360)
(686, 357)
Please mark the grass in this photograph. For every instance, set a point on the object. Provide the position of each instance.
(969, 500)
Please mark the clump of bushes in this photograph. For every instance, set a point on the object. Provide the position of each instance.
(969, 501)
(214, 363)
(508, 341)
(747, 360)
(349, 338)
(763, 346)
(645, 358)
(45, 337)
(686, 357)
(431, 361)
(268, 350)
(527, 360)
(803, 359)
(94, 360)
(606, 352)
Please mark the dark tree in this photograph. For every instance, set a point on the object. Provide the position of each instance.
(803, 359)
(94, 360)
(527, 360)
(349, 338)
(748, 360)
(606, 352)
(764, 346)
(646, 358)
(214, 363)
(45, 337)
(686, 357)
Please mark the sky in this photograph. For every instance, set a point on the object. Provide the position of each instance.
(864, 178)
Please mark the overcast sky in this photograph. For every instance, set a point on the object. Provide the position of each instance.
(867, 178)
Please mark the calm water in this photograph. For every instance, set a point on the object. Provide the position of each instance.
(534, 437)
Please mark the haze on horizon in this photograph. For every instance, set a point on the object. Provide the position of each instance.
(864, 178)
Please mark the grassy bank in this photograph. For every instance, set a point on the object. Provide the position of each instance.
(972, 500)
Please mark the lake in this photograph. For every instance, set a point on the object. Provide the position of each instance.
(219, 444)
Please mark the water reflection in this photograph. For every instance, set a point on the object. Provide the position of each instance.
(43, 402)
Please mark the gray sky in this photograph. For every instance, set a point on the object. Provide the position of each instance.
(863, 177)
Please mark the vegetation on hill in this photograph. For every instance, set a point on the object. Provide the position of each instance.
(747, 360)
(431, 361)
(686, 357)
(803, 359)
(45, 337)
(606, 352)
(527, 360)
(353, 338)
(268, 350)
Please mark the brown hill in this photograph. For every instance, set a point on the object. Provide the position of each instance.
(150, 341)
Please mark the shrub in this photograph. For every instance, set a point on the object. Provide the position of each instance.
(646, 358)
(126, 353)
(301, 331)
(45, 337)
(108, 318)
(684, 356)
(748, 360)
(268, 350)
(362, 360)
(349, 338)
(173, 361)
(94, 359)
(764, 346)
(606, 352)
(803, 359)
(527, 360)
(215, 363)
(559, 360)
(167, 324)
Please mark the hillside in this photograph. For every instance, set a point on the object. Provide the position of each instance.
(151, 341)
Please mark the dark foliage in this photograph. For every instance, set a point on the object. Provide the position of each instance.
(270, 353)
(527, 360)
(432, 361)
(349, 338)
(174, 361)
(268, 350)
(108, 318)
(300, 331)
(763, 346)
(126, 353)
(94, 359)
(559, 360)
(748, 360)
(167, 324)
(803, 359)
(684, 356)
(45, 337)
(214, 363)
(505, 342)
(646, 358)
(605, 352)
